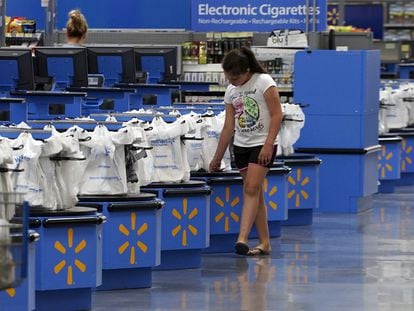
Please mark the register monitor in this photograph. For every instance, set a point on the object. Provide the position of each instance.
(390, 51)
(115, 63)
(16, 70)
(65, 66)
(162, 63)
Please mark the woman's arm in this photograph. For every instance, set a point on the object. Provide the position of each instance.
(271, 96)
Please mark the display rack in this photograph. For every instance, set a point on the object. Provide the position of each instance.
(24, 39)
(13, 239)
(400, 21)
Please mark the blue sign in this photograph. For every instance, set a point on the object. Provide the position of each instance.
(258, 15)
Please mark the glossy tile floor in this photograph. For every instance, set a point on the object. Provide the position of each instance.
(361, 261)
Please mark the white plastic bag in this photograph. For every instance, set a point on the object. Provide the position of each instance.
(293, 122)
(105, 171)
(211, 135)
(26, 153)
(170, 158)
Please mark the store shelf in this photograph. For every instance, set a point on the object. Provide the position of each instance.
(399, 26)
(23, 38)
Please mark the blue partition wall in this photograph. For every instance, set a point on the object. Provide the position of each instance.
(341, 91)
(129, 14)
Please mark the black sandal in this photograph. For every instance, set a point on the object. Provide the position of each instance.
(241, 248)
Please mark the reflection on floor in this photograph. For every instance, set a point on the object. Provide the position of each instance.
(353, 262)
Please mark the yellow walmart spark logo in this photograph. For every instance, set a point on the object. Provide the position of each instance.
(333, 16)
(383, 158)
(227, 214)
(270, 192)
(11, 292)
(182, 217)
(406, 151)
(297, 193)
(70, 251)
(131, 244)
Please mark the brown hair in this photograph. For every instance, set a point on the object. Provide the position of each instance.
(76, 26)
(242, 60)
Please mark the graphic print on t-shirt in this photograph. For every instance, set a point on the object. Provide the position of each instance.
(247, 112)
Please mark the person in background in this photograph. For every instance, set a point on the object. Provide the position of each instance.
(253, 117)
(76, 28)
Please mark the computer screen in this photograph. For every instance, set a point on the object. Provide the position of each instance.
(115, 63)
(67, 66)
(16, 69)
(390, 51)
(163, 63)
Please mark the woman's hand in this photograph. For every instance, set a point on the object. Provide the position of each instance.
(215, 165)
(265, 155)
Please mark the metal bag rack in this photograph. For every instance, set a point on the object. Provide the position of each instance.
(13, 239)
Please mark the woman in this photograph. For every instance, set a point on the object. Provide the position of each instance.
(253, 116)
(76, 28)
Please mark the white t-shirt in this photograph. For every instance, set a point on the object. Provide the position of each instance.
(251, 111)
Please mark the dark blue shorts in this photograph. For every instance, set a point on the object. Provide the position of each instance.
(245, 155)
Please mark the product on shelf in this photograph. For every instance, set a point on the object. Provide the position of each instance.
(20, 24)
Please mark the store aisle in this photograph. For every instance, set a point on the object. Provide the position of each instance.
(341, 262)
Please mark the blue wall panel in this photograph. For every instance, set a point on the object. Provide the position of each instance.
(360, 16)
(127, 14)
(27, 8)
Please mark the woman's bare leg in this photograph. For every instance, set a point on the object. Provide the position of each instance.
(253, 179)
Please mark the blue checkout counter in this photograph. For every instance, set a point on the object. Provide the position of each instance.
(346, 178)
(226, 203)
(149, 94)
(405, 70)
(389, 162)
(131, 238)
(185, 222)
(407, 155)
(51, 105)
(13, 110)
(303, 188)
(192, 86)
(200, 108)
(68, 257)
(17, 263)
(104, 99)
(22, 296)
